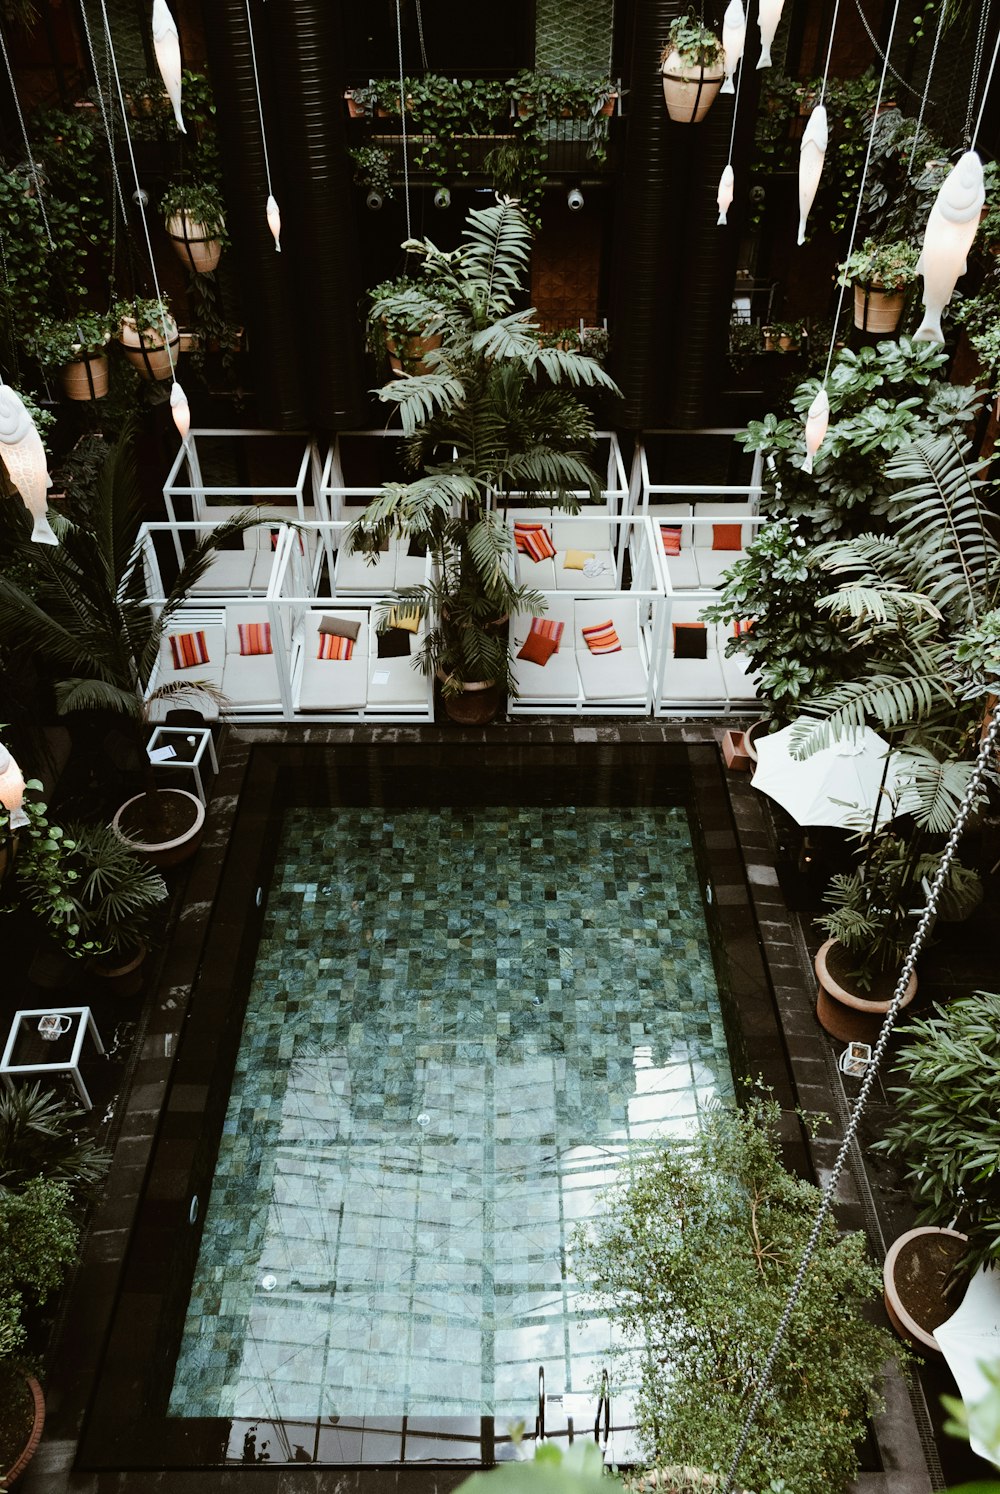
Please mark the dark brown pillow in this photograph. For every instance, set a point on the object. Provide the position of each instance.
(394, 643)
(340, 627)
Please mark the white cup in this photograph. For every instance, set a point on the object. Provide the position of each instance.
(53, 1026)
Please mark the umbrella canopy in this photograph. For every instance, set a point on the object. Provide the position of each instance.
(970, 1337)
(835, 785)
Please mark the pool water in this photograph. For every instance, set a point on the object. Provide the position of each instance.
(460, 1022)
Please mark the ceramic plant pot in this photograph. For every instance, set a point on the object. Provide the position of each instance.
(121, 974)
(196, 245)
(411, 359)
(689, 92)
(147, 352)
(85, 378)
(843, 1013)
(188, 815)
(877, 310)
(24, 1457)
(478, 703)
(914, 1274)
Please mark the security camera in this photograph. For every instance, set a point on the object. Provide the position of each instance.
(574, 199)
(140, 198)
(442, 198)
(374, 201)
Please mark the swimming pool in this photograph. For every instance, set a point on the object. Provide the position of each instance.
(459, 1022)
(447, 1023)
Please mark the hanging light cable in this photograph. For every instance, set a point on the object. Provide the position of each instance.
(942, 12)
(178, 399)
(977, 62)
(402, 115)
(818, 417)
(986, 90)
(271, 209)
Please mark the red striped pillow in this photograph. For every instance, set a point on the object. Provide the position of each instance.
(670, 537)
(602, 638)
(534, 541)
(188, 649)
(742, 625)
(255, 638)
(332, 646)
(547, 627)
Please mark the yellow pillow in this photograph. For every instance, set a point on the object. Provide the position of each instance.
(577, 559)
(404, 617)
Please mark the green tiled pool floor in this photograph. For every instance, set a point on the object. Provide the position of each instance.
(459, 1022)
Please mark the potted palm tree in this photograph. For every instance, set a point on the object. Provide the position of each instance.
(691, 65)
(77, 348)
(194, 217)
(945, 1137)
(490, 416)
(81, 607)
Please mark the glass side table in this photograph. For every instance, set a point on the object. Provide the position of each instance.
(49, 1040)
(190, 744)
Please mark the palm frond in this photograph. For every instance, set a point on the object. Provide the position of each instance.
(890, 702)
(940, 516)
(933, 791)
(563, 365)
(489, 544)
(419, 397)
(877, 604)
(495, 255)
(96, 695)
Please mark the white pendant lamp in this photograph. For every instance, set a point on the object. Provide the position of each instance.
(12, 790)
(817, 422)
(180, 410)
(167, 47)
(812, 152)
(274, 221)
(951, 228)
(727, 182)
(734, 35)
(768, 16)
(24, 457)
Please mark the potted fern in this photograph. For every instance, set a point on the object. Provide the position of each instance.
(490, 415)
(194, 217)
(691, 67)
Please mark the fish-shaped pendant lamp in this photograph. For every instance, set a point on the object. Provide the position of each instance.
(951, 228)
(24, 457)
(274, 221)
(817, 422)
(812, 153)
(734, 34)
(768, 16)
(727, 184)
(167, 47)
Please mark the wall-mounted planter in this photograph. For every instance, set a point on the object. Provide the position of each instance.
(689, 92)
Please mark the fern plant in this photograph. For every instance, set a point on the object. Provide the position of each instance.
(494, 415)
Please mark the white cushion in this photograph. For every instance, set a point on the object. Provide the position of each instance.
(713, 564)
(251, 679)
(357, 572)
(682, 570)
(230, 573)
(694, 679)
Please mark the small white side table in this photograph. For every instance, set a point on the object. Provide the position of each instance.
(190, 744)
(27, 1052)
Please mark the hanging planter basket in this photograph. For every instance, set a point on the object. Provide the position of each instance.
(86, 377)
(877, 309)
(689, 92)
(147, 351)
(197, 246)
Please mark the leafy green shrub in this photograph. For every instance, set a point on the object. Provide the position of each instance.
(40, 1133)
(38, 1239)
(693, 1263)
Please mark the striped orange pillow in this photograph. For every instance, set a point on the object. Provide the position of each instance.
(602, 638)
(534, 541)
(547, 627)
(670, 536)
(255, 638)
(332, 646)
(741, 626)
(188, 649)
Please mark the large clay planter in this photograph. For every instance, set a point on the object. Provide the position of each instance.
(844, 1014)
(920, 1253)
(149, 353)
(689, 92)
(478, 703)
(85, 378)
(412, 355)
(198, 246)
(877, 310)
(179, 847)
(121, 975)
(24, 1457)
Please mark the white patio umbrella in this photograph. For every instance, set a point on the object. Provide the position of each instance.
(970, 1337)
(834, 786)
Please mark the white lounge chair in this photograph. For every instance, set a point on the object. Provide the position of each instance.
(558, 680)
(621, 677)
(332, 684)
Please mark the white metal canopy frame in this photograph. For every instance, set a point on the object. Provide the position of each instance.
(987, 749)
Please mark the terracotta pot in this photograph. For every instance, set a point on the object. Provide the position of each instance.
(920, 1259)
(121, 973)
(478, 703)
(844, 1014)
(148, 352)
(196, 245)
(877, 310)
(85, 378)
(180, 846)
(412, 355)
(689, 92)
(27, 1452)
